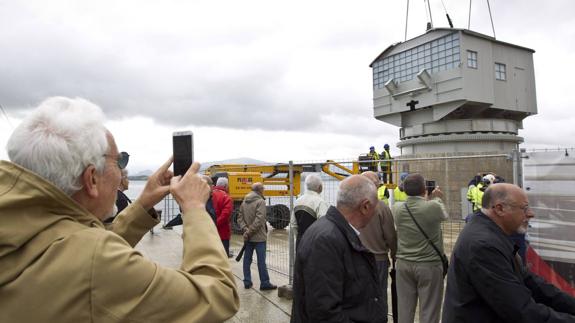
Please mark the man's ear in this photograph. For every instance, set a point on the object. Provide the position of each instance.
(364, 206)
(89, 181)
(498, 209)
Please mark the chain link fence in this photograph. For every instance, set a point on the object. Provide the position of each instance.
(284, 182)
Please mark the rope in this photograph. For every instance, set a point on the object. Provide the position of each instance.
(469, 18)
(490, 17)
(429, 9)
(406, 16)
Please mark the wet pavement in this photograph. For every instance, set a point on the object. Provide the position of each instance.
(165, 248)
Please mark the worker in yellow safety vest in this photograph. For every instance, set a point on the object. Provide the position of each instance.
(382, 192)
(386, 164)
(375, 157)
(479, 189)
(398, 194)
(472, 186)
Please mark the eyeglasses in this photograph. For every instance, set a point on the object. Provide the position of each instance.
(526, 209)
(122, 159)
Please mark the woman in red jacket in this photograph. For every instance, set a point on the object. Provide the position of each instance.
(224, 206)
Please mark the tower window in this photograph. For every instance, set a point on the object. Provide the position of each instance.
(435, 56)
(500, 72)
(471, 59)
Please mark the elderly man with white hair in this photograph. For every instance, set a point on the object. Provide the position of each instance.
(59, 264)
(335, 276)
(308, 207)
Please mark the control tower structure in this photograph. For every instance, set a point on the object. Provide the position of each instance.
(454, 91)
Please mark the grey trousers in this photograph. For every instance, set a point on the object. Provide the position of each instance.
(421, 281)
(383, 273)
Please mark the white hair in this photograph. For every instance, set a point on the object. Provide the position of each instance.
(313, 183)
(351, 193)
(222, 181)
(59, 139)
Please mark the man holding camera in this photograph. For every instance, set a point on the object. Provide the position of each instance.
(59, 264)
(419, 269)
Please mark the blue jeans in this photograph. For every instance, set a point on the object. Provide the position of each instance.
(260, 248)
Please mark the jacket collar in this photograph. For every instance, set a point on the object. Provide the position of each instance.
(341, 223)
(486, 221)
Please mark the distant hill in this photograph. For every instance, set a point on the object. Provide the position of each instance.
(143, 175)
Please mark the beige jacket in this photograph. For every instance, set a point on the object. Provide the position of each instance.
(379, 234)
(59, 264)
(252, 217)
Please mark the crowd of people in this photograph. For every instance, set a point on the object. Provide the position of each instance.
(62, 261)
(342, 260)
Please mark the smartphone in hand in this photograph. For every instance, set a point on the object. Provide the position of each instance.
(183, 147)
(430, 186)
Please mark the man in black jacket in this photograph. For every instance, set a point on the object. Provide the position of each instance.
(487, 281)
(335, 275)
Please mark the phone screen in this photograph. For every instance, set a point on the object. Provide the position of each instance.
(183, 145)
(430, 185)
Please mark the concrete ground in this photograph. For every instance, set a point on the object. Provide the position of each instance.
(165, 248)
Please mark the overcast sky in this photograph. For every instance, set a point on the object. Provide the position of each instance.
(271, 80)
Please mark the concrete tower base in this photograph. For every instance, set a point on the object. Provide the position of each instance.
(453, 171)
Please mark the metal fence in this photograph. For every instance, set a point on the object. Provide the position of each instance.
(549, 182)
(451, 173)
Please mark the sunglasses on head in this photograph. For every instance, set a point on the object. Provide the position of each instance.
(122, 159)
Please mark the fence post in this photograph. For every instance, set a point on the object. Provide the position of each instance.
(518, 167)
(291, 235)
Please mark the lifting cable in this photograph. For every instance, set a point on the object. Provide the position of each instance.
(406, 17)
(469, 17)
(429, 10)
(490, 17)
(447, 15)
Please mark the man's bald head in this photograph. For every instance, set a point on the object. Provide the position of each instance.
(357, 200)
(508, 206)
(258, 187)
(372, 176)
(354, 189)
